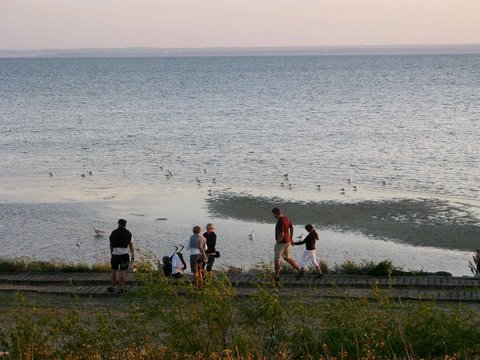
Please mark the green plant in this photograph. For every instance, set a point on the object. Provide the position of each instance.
(385, 329)
(475, 265)
(171, 319)
(29, 337)
(370, 268)
(192, 319)
(267, 319)
(431, 331)
(32, 265)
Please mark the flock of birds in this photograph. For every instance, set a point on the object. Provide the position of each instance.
(285, 183)
(251, 236)
(342, 190)
(213, 181)
(90, 172)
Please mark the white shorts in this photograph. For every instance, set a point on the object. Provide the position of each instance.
(309, 256)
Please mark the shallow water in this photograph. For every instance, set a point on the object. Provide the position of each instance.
(398, 133)
(161, 220)
(423, 222)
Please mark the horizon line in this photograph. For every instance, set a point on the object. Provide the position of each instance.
(322, 50)
(244, 47)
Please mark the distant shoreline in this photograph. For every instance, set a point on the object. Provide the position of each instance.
(245, 51)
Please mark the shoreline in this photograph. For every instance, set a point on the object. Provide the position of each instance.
(69, 223)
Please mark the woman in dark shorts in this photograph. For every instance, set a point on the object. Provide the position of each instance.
(196, 244)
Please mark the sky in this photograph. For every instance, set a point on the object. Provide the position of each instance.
(73, 24)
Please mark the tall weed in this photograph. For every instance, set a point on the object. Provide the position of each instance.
(266, 320)
(192, 319)
(171, 319)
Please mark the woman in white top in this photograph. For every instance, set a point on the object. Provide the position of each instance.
(196, 244)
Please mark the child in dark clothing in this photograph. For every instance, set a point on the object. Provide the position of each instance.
(309, 255)
(211, 243)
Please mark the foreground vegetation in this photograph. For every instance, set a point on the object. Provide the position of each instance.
(371, 268)
(32, 265)
(167, 319)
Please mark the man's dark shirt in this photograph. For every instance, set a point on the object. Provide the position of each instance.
(120, 238)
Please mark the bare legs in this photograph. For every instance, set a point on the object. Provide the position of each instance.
(198, 274)
(277, 268)
(114, 278)
(292, 262)
(121, 278)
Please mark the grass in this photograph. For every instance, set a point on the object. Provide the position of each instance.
(167, 319)
(383, 268)
(31, 265)
(349, 267)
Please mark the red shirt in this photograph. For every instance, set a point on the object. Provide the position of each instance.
(283, 226)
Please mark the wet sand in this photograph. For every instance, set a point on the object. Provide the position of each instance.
(159, 220)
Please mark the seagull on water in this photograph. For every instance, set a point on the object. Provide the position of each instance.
(98, 232)
(252, 235)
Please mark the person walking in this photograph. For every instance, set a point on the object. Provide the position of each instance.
(197, 244)
(283, 241)
(211, 238)
(120, 243)
(309, 255)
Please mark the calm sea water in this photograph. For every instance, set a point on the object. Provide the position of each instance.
(399, 135)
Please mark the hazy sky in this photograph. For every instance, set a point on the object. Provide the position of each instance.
(39, 24)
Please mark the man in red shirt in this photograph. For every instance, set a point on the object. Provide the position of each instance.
(283, 241)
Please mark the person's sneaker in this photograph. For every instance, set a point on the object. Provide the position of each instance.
(318, 276)
(111, 289)
(299, 275)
